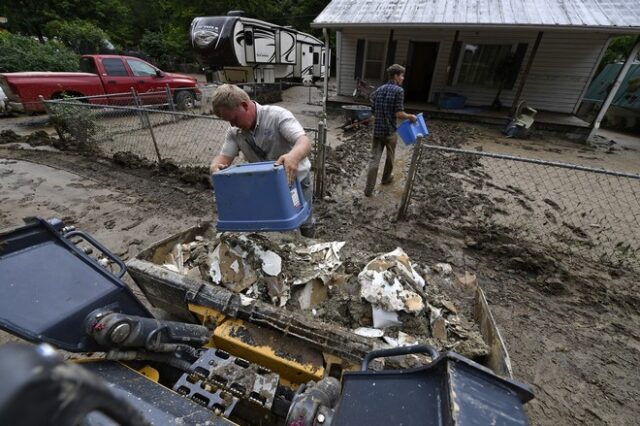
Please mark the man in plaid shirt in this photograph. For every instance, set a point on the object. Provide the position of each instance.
(388, 106)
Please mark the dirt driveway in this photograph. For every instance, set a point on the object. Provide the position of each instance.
(572, 327)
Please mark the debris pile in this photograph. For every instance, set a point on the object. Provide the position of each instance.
(391, 285)
(384, 297)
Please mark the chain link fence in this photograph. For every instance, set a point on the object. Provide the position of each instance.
(581, 211)
(145, 134)
(151, 135)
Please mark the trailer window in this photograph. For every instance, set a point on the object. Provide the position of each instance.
(140, 69)
(114, 67)
(248, 37)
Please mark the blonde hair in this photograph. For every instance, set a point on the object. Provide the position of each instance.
(228, 96)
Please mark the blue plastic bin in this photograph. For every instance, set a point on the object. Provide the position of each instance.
(446, 100)
(256, 197)
(409, 131)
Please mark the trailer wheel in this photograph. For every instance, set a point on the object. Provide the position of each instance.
(185, 100)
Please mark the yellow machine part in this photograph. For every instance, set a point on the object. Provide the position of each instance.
(285, 355)
(150, 373)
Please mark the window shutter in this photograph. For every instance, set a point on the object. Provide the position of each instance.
(391, 52)
(357, 73)
(518, 57)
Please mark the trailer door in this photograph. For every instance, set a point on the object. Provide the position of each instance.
(264, 41)
(305, 60)
(317, 61)
(288, 52)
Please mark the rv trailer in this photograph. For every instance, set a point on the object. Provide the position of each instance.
(248, 50)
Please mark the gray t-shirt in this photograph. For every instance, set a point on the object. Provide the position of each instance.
(275, 133)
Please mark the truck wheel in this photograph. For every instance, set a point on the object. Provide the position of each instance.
(185, 101)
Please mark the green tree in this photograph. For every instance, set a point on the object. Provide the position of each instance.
(28, 16)
(164, 48)
(80, 36)
(126, 22)
(20, 53)
(617, 50)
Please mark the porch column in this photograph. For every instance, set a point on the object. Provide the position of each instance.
(391, 51)
(327, 70)
(453, 59)
(616, 85)
(525, 74)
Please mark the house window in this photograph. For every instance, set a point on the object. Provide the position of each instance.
(490, 65)
(374, 60)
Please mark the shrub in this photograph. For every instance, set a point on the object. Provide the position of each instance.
(20, 53)
(80, 36)
(166, 48)
(77, 126)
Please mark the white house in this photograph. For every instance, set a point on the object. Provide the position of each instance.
(542, 51)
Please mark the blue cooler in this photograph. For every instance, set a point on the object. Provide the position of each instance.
(256, 197)
(409, 131)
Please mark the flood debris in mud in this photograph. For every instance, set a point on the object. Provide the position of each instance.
(385, 297)
(391, 285)
(38, 138)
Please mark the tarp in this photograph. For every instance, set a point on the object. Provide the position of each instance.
(628, 95)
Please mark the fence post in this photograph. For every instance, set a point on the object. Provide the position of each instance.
(172, 105)
(408, 187)
(320, 161)
(170, 99)
(56, 125)
(136, 100)
(144, 117)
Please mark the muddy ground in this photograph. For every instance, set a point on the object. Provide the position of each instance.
(571, 326)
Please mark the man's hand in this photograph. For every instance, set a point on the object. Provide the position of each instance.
(216, 167)
(220, 162)
(290, 162)
(401, 115)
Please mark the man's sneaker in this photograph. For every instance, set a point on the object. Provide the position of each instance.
(308, 231)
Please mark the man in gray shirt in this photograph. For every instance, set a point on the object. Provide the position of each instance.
(264, 133)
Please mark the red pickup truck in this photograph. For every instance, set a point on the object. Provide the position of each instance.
(101, 75)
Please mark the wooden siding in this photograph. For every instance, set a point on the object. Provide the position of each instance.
(339, 63)
(560, 72)
(562, 69)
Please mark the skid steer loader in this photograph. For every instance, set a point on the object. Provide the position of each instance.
(125, 366)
